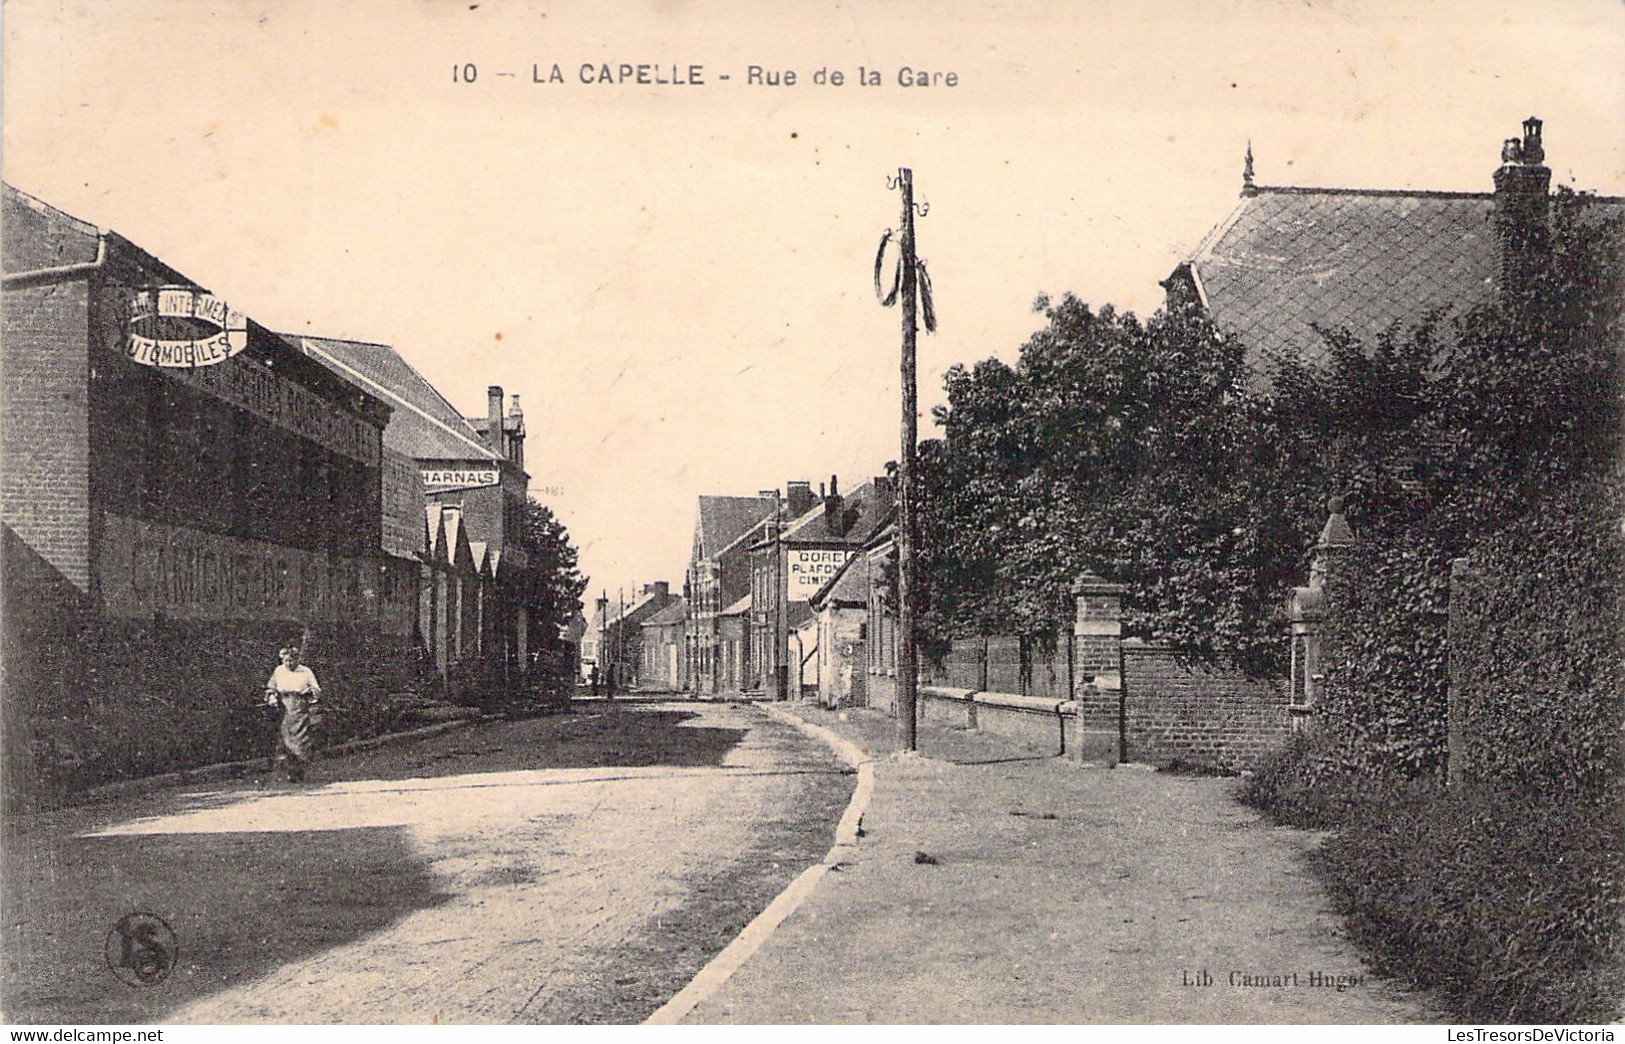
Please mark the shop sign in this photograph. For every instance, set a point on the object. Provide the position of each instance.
(182, 327)
(187, 574)
(810, 570)
(444, 480)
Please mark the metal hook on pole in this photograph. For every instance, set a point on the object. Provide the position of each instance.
(922, 209)
(893, 183)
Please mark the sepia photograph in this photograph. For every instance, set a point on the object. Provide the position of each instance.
(879, 512)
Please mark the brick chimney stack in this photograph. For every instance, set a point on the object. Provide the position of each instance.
(800, 496)
(1522, 189)
(516, 433)
(493, 419)
(832, 507)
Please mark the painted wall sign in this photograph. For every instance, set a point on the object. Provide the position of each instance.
(443, 480)
(188, 574)
(290, 406)
(809, 570)
(181, 327)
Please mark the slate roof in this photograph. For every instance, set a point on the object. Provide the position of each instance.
(675, 613)
(637, 609)
(40, 236)
(1358, 259)
(849, 585)
(724, 520)
(424, 425)
(865, 507)
(739, 608)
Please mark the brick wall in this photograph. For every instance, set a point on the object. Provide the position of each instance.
(116, 700)
(1004, 664)
(403, 531)
(1198, 715)
(45, 482)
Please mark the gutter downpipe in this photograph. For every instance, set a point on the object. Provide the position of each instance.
(58, 274)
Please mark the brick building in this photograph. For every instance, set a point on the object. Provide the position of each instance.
(616, 634)
(477, 631)
(793, 560)
(718, 576)
(663, 649)
(183, 489)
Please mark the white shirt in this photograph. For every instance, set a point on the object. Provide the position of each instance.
(299, 679)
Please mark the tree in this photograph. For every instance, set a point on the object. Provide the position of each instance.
(552, 585)
(1130, 449)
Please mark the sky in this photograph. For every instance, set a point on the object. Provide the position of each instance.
(676, 278)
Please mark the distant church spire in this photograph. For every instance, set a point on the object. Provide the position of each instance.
(1247, 186)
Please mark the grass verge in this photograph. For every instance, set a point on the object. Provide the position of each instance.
(1507, 904)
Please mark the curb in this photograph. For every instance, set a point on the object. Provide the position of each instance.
(234, 769)
(722, 967)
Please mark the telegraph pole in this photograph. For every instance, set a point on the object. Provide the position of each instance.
(908, 678)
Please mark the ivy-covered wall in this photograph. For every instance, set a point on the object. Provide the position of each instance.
(1536, 663)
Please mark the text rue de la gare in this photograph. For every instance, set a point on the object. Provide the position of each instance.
(673, 74)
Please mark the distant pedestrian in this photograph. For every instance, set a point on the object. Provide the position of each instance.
(593, 677)
(293, 686)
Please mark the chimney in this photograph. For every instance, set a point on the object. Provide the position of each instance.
(661, 588)
(1522, 187)
(885, 493)
(493, 419)
(516, 433)
(833, 518)
(801, 498)
(767, 494)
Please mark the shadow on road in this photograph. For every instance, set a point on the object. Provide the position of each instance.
(240, 904)
(255, 875)
(604, 736)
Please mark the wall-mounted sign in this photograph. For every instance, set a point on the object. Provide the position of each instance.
(179, 326)
(809, 570)
(187, 574)
(272, 397)
(444, 480)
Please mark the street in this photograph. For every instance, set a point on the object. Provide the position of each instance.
(577, 868)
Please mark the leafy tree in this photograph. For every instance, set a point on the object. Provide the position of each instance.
(552, 584)
(1148, 453)
(1131, 449)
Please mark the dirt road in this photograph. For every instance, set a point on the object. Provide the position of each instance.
(995, 885)
(579, 868)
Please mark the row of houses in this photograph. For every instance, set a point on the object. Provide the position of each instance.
(184, 489)
(777, 600)
(792, 592)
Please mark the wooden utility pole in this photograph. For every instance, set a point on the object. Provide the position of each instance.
(908, 679)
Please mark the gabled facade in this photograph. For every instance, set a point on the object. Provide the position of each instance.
(615, 631)
(718, 576)
(842, 610)
(790, 564)
(664, 666)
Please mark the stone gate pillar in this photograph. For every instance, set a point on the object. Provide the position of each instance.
(1097, 633)
(1306, 610)
(1100, 728)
